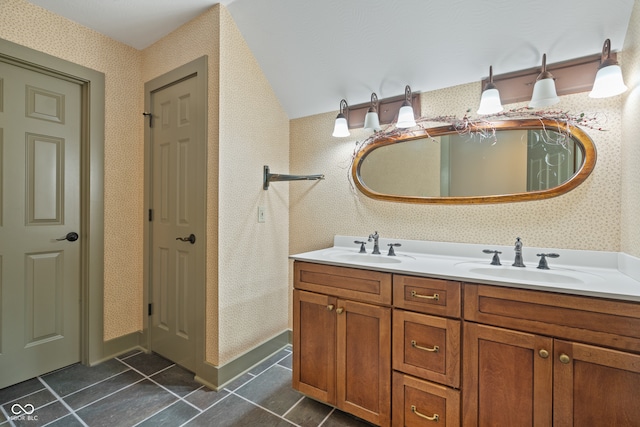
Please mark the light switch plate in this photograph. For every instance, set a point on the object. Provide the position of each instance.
(261, 215)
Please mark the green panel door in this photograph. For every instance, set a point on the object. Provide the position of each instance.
(40, 132)
(178, 214)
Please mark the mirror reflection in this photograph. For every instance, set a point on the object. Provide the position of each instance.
(520, 158)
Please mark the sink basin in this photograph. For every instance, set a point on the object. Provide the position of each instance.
(365, 258)
(530, 274)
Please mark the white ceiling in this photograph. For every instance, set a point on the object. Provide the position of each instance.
(315, 52)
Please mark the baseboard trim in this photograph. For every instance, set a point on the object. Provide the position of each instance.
(216, 377)
(118, 346)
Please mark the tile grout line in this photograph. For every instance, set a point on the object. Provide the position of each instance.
(294, 405)
(110, 394)
(265, 409)
(96, 383)
(23, 396)
(129, 356)
(6, 415)
(205, 410)
(232, 393)
(57, 396)
(156, 413)
(163, 387)
(273, 364)
(327, 417)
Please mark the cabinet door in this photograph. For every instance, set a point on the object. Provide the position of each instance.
(594, 386)
(507, 377)
(364, 361)
(314, 345)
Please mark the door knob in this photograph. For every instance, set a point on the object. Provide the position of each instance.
(191, 239)
(71, 237)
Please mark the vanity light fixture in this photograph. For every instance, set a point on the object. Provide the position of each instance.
(544, 91)
(608, 80)
(406, 118)
(341, 128)
(371, 120)
(490, 100)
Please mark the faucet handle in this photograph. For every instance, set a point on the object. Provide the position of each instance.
(496, 259)
(361, 243)
(391, 251)
(543, 265)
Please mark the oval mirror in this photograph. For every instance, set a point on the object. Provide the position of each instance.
(497, 162)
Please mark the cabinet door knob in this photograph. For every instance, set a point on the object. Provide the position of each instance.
(435, 417)
(543, 353)
(330, 307)
(339, 310)
(564, 358)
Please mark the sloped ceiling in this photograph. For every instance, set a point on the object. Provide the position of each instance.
(316, 52)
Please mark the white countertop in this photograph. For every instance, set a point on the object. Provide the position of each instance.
(602, 274)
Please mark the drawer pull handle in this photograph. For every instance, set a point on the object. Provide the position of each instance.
(435, 417)
(339, 310)
(435, 348)
(330, 307)
(543, 353)
(435, 297)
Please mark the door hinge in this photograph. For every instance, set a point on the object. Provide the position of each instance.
(150, 309)
(150, 215)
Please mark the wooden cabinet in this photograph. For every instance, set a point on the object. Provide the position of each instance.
(462, 354)
(595, 386)
(425, 295)
(314, 345)
(422, 403)
(427, 347)
(341, 346)
(426, 351)
(508, 377)
(522, 377)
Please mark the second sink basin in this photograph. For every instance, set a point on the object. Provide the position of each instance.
(529, 274)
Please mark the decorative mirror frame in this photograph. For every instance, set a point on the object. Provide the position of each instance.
(585, 143)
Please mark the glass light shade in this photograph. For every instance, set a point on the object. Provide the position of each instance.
(608, 82)
(544, 94)
(490, 102)
(406, 119)
(341, 128)
(372, 121)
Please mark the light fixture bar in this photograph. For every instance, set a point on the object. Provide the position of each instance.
(573, 76)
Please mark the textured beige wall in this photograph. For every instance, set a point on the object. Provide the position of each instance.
(198, 37)
(630, 233)
(254, 131)
(585, 218)
(39, 29)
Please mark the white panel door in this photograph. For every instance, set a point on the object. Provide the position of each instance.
(177, 215)
(40, 131)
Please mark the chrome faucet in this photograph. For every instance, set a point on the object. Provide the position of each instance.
(375, 236)
(517, 262)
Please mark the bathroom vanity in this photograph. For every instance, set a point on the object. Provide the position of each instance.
(438, 336)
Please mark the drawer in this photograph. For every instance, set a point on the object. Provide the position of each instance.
(598, 321)
(427, 347)
(431, 296)
(343, 282)
(418, 403)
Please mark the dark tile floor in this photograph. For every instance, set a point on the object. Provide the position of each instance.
(139, 389)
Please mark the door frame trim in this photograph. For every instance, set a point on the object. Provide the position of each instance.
(92, 83)
(199, 69)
